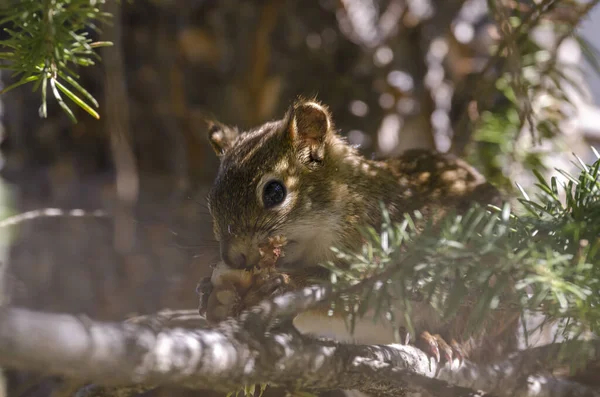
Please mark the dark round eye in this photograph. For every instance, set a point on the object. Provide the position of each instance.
(273, 194)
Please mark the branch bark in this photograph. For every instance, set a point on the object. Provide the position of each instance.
(144, 354)
(222, 359)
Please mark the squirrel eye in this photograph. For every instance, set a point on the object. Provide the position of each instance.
(273, 194)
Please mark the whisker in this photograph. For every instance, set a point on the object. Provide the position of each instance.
(194, 246)
(254, 227)
(205, 254)
(203, 204)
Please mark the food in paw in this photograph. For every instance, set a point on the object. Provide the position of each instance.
(231, 290)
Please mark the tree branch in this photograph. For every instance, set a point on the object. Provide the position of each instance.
(142, 354)
(519, 374)
(222, 359)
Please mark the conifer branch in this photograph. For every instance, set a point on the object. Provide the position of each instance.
(47, 41)
(551, 253)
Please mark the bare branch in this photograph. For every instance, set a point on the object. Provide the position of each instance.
(51, 212)
(236, 353)
(223, 358)
(519, 374)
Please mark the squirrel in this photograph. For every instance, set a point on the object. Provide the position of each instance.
(298, 178)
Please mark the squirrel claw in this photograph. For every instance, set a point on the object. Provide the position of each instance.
(429, 345)
(445, 348)
(204, 289)
(458, 352)
(272, 286)
(403, 335)
(436, 346)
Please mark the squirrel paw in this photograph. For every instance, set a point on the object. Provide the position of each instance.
(433, 345)
(236, 291)
(204, 289)
(271, 285)
(223, 302)
(403, 335)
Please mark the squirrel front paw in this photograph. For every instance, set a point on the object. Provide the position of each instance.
(234, 291)
(217, 302)
(221, 294)
(223, 302)
(438, 348)
(268, 285)
(204, 289)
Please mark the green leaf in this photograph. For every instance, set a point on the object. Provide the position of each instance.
(590, 52)
(77, 100)
(41, 46)
(79, 88)
(523, 192)
(20, 83)
(62, 104)
(43, 106)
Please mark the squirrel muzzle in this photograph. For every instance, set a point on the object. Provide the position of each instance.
(240, 252)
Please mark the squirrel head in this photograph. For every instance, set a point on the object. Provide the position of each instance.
(278, 179)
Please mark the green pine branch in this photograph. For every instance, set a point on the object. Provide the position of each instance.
(48, 40)
(549, 251)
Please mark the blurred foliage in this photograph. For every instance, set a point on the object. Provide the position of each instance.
(49, 40)
(534, 89)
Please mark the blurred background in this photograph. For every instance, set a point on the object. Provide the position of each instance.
(452, 75)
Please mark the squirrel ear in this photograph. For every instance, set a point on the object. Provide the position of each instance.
(310, 122)
(221, 137)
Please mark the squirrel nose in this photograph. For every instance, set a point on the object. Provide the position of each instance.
(233, 256)
(238, 261)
